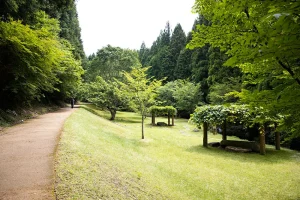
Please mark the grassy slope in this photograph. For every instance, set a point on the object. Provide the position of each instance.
(99, 159)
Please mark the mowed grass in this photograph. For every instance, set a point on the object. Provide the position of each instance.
(100, 159)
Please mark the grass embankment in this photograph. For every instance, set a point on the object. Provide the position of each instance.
(100, 159)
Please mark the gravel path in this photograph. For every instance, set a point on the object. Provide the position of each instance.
(27, 157)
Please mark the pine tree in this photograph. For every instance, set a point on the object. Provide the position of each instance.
(177, 44)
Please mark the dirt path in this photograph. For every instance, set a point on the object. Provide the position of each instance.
(27, 157)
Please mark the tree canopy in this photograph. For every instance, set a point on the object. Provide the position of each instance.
(110, 62)
(261, 38)
(35, 61)
(140, 90)
(38, 60)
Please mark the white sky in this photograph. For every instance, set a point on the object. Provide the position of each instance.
(127, 23)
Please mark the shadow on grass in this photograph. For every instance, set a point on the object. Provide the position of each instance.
(93, 109)
(272, 155)
(127, 121)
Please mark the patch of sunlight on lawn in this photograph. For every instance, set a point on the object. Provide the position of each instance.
(101, 159)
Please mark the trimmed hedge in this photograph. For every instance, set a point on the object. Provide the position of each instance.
(163, 110)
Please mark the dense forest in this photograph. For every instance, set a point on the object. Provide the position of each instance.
(41, 52)
(247, 56)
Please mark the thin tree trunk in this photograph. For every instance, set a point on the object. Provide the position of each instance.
(172, 120)
(143, 127)
(277, 140)
(168, 119)
(205, 127)
(262, 140)
(224, 133)
(153, 119)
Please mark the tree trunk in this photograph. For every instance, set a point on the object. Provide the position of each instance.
(168, 119)
(262, 140)
(143, 127)
(172, 120)
(112, 114)
(224, 133)
(205, 127)
(277, 140)
(153, 119)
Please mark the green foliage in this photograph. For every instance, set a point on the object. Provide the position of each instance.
(216, 115)
(260, 37)
(181, 94)
(110, 62)
(38, 60)
(163, 54)
(161, 63)
(178, 41)
(220, 93)
(34, 61)
(24, 9)
(140, 90)
(162, 110)
(70, 31)
(183, 69)
(144, 54)
(243, 114)
(104, 94)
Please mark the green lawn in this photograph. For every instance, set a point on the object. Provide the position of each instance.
(100, 159)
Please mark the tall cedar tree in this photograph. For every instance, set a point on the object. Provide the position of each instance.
(177, 44)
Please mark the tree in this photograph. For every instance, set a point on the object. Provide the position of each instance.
(109, 63)
(187, 96)
(200, 66)
(165, 36)
(220, 93)
(222, 80)
(34, 61)
(104, 95)
(161, 64)
(181, 94)
(144, 54)
(24, 9)
(260, 37)
(140, 90)
(183, 69)
(70, 31)
(38, 61)
(160, 58)
(178, 40)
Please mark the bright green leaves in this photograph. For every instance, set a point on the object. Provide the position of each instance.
(242, 114)
(262, 39)
(110, 62)
(139, 89)
(104, 94)
(163, 110)
(34, 61)
(183, 95)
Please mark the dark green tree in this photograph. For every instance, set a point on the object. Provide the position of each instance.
(70, 30)
(178, 41)
(144, 53)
